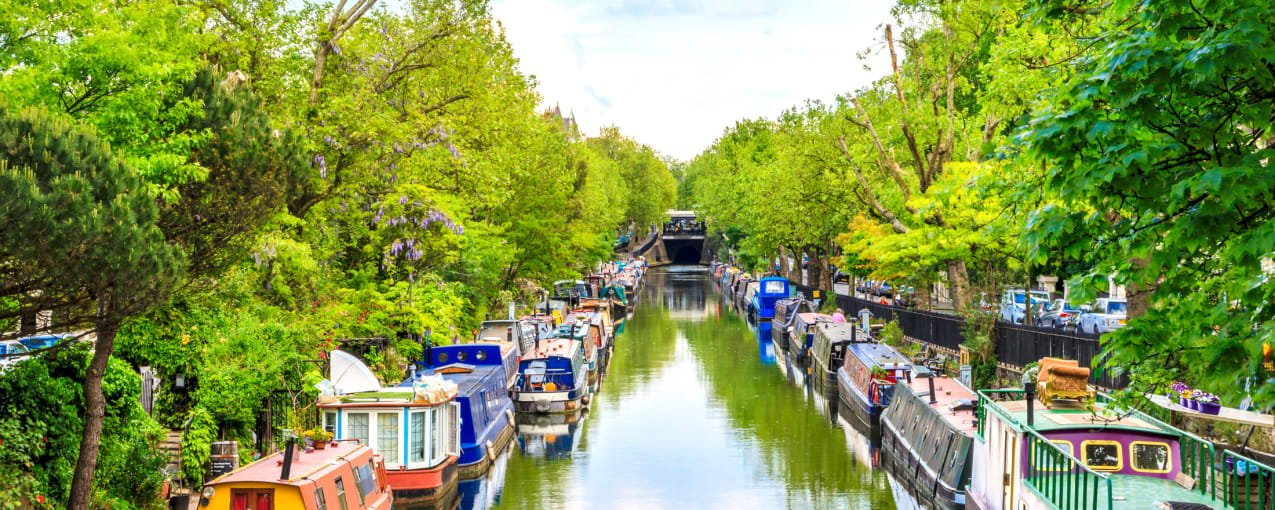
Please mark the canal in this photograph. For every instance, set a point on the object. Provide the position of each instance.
(695, 413)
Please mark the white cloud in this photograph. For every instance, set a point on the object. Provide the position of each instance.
(675, 73)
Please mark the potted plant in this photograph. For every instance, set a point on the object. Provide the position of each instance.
(318, 437)
(1194, 400)
(1181, 391)
(1209, 403)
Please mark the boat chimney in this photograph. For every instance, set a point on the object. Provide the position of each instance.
(1029, 391)
(287, 460)
(934, 399)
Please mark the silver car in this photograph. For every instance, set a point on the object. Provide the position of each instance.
(1057, 314)
(1013, 308)
(1107, 315)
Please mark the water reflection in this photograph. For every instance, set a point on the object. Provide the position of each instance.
(691, 416)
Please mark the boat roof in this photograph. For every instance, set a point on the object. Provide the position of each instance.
(306, 467)
(879, 355)
(1067, 414)
(840, 331)
(812, 317)
(551, 347)
(465, 376)
(948, 392)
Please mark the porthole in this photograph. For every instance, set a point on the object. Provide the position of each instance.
(481, 355)
(460, 356)
(442, 357)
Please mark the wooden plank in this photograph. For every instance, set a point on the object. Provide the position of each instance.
(1228, 414)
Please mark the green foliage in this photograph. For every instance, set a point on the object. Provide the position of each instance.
(891, 334)
(196, 446)
(40, 429)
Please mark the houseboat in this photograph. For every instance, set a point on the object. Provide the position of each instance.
(486, 424)
(926, 436)
(1055, 443)
(770, 290)
(828, 353)
(801, 334)
(542, 324)
(553, 378)
(865, 383)
(745, 295)
(343, 474)
(602, 308)
(785, 311)
(415, 430)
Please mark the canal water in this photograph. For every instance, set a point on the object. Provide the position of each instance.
(695, 413)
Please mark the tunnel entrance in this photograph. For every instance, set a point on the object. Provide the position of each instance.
(686, 255)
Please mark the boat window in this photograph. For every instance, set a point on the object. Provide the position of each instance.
(359, 487)
(1150, 457)
(430, 438)
(1050, 462)
(387, 436)
(442, 357)
(481, 355)
(440, 434)
(369, 477)
(340, 493)
(774, 287)
(416, 451)
(1102, 455)
(460, 356)
(329, 420)
(320, 503)
(357, 428)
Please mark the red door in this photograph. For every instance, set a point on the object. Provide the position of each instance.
(252, 499)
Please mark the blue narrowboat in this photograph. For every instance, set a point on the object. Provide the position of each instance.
(550, 436)
(552, 378)
(865, 383)
(487, 424)
(772, 289)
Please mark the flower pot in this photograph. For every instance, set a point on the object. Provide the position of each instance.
(319, 445)
(1210, 408)
(1193, 405)
(1184, 402)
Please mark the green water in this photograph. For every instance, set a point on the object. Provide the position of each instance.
(693, 414)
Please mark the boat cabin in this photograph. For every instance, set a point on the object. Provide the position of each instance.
(344, 474)
(515, 332)
(485, 408)
(874, 368)
(553, 378)
(770, 290)
(785, 311)
(801, 335)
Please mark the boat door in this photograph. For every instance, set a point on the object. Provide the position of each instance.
(252, 499)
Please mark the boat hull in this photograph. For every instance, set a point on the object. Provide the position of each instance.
(474, 468)
(424, 485)
(547, 402)
(862, 414)
(922, 482)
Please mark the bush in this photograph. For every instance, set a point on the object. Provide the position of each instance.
(197, 446)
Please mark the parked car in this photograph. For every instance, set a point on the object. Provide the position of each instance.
(13, 352)
(841, 277)
(42, 342)
(1056, 315)
(1013, 307)
(1106, 316)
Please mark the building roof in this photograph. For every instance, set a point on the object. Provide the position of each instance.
(306, 467)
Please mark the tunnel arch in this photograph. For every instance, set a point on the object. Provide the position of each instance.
(686, 255)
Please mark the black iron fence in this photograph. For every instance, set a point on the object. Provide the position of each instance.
(1016, 346)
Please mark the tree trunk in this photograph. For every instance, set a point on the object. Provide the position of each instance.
(785, 269)
(923, 296)
(958, 278)
(1137, 294)
(813, 271)
(94, 410)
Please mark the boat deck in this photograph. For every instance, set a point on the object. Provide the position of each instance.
(949, 393)
(1132, 491)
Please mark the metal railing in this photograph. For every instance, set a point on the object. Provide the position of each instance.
(1062, 479)
(1195, 454)
(985, 402)
(1238, 488)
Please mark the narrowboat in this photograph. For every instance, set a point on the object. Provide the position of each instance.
(785, 311)
(746, 292)
(570, 288)
(602, 308)
(552, 378)
(926, 435)
(486, 424)
(415, 430)
(737, 288)
(770, 290)
(801, 334)
(513, 337)
(343, 474)
(1073, 448)
(865, 383)
(828, 353)
(577, 328)
(542, 324)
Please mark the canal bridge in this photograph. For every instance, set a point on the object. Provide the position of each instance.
(680, 240)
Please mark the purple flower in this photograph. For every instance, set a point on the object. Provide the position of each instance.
(402, 199)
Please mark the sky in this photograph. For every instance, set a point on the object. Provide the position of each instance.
(674, 74)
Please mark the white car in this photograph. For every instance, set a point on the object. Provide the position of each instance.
(1105, 316)
(1014, 303)
(12, 351)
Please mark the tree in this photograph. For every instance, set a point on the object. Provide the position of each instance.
(1157, 154)
(81, 227)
